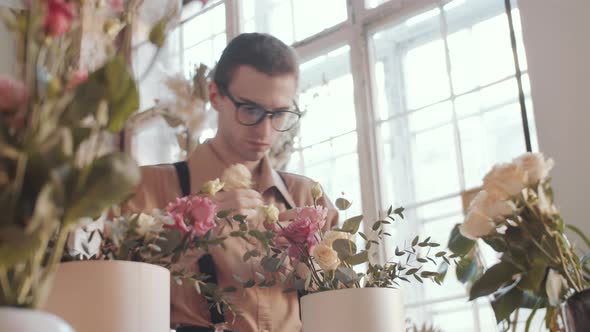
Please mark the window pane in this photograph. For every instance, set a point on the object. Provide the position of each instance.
(203, 38)
(326, 147)
(374, 3)
(292, 20)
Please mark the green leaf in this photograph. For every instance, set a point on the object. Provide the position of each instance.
(579, 233)
(352, 225)
(342, 204)
(345, 275)
(415, 241)
(412, 271)
(111, 179)
(492, 280)
(399, 211)
(467, 268)
(376, 225)
(122, 93)
(158, 33)
(359, 258)
(344, 248)
(533, 278)
(505, 304)
(16, 246)
(230, 289)
(459, 244)
(223, 214)
(363, 236)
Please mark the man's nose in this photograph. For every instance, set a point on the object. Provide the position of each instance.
(265, 126)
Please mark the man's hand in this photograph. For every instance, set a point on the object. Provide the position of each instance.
(241, 201)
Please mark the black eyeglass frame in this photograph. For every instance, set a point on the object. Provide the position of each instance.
(266, 113)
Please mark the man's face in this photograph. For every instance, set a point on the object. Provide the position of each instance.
(251, 86)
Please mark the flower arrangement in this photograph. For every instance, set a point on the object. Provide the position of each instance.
(516, 216)
(51, 113)
(323, 260)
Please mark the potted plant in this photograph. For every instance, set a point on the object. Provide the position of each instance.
(124, 262)
(538, 267)
(342, 287)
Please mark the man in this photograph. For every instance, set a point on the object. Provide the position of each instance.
(253, 91)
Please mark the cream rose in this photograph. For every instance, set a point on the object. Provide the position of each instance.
(504, 181)
(211, 188)
(535, 166)
(237, 176)
(326, 257)
(476, 225)
(147, 224)
(268, 213)
(495, 209)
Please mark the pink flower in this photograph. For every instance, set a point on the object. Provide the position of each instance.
(12, 93)
(193, 214)
(180, 206)
(316, 215)
(202, 212)
(77, 77)
(300, 231)
(117, 5)
(60, 15)
(179, 223)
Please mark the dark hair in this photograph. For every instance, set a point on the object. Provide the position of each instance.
(265, 53)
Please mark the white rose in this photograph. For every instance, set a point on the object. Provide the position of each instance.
(211, 188)
(237, 176)
(326, 257)
(504, 181)
(331, 236)
(555, 286)
(495, 209)
(535, 166)
(147, 224)
(476, 225)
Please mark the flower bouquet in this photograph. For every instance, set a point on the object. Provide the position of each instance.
(538, 266)
(51, 174)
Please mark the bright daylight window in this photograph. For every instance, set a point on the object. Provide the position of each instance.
(199, 38)
(446, 110)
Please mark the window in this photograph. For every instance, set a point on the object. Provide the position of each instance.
(200, 37)
(292, 20)
(446, 110)
(407, 103)
(328, 153)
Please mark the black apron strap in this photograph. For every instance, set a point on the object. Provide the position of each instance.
(184, 177)
(206, 264)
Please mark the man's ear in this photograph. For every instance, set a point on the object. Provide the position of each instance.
(214, 95)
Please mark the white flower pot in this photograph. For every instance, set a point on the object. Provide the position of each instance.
(354, 310)
(30, 320)
(114, 296)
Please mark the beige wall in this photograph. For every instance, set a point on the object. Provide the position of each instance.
(557, 40)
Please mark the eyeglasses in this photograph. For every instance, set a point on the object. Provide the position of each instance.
(251, 114)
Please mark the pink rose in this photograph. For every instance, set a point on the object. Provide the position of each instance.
(60, 15)
(300, 231)
(202, 212)
(179, 206)
(117, 5)
(77, 77)
(179, 223)
(12, 93)
(316, 215)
